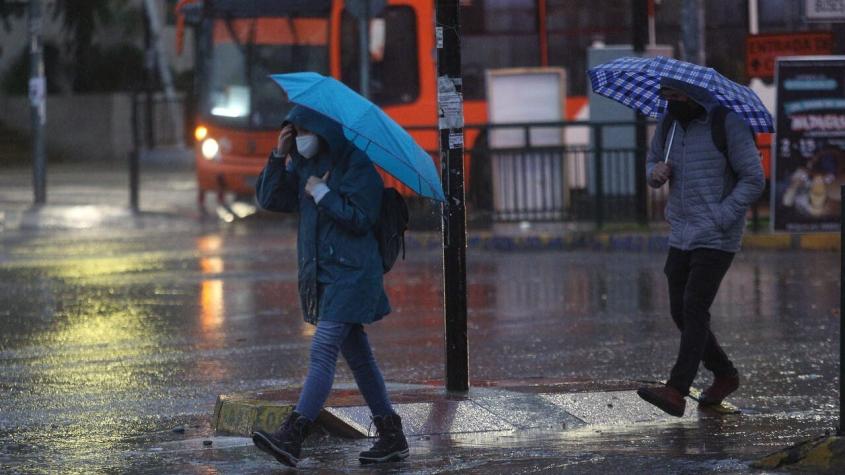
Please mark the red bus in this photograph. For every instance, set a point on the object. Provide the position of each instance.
(238, 43)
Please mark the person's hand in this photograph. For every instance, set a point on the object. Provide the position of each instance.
(313, 181)
(285, 141)
(660, 174)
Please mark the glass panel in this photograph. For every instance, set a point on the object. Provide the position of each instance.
(245, 52)
(394, 72)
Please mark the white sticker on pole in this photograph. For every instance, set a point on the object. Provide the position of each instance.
(450, 101)
(37, 88)
(456, 140)
(438, 33)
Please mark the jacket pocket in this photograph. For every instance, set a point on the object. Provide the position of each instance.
(343, 257)
(723, 223)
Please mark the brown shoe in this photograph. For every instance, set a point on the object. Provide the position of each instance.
(720, 389)
(666, 398)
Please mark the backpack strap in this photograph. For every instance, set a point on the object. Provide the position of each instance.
(717, 129)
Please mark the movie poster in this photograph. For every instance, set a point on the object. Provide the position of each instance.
(809, 149)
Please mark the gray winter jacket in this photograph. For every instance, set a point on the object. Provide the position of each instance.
(709, 195)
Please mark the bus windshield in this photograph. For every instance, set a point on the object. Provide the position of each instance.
(237, 91)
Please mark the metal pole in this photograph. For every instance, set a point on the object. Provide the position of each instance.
(840, 431)
(702, 34)
(37, 102)
(133, 156)
(451, 123)
(364, 38)
(599, 168)
(149, 68)
(652, 25)
(690, 37)
(753, 18)
(640, 24)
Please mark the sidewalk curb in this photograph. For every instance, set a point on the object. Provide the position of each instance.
(428, 410)
(621, 242)
(237, 415)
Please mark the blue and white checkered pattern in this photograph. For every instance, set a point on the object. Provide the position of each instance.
(635, 82)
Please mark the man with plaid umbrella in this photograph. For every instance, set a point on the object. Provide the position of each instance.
(704, 148)
(711, 186)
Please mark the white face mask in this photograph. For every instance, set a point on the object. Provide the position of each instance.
(307, 145)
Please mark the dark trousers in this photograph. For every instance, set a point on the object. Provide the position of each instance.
(694, 277)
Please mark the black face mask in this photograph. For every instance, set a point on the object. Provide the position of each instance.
(684, 111)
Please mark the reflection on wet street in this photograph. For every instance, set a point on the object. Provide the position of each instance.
(111, 340)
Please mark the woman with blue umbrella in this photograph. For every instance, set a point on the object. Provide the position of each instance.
(317, 172)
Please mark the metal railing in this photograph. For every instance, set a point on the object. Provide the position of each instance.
(153, 121)
(558, 171)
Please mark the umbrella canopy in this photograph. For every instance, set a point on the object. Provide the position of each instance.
(364, 124)
(636, 82)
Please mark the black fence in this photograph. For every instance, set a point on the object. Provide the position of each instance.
(559, 171)
(159, 122)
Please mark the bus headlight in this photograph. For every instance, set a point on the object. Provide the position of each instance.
(210, 149)
(200, 132)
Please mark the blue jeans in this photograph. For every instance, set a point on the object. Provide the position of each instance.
(351, 340)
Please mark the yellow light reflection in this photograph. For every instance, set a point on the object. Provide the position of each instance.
(211, 290)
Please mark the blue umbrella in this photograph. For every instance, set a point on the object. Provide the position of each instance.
(635, 82)
(364, 124)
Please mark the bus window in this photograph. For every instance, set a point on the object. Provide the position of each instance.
(243, 52)
(394, 73)
(496, 34)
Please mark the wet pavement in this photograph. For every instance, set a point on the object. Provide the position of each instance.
(116, 337)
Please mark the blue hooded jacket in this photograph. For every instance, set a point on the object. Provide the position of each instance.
(340, 271)
(709, 194)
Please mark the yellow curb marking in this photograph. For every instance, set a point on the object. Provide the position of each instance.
(813, 454)
(821, 242)
(767, 241)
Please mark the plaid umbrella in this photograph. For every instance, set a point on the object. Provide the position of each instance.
(636, 82)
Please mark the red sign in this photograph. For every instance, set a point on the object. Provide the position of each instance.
(761, 50)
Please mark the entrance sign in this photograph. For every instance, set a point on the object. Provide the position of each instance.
(761, 51)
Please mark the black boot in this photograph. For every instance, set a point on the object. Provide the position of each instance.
(391, 445)
(286, 443)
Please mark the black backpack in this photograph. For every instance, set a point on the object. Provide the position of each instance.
(391, 226)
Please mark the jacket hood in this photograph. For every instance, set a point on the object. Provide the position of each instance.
(698, 94)
(326, 128)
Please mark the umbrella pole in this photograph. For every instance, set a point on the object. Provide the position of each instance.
(450, 102)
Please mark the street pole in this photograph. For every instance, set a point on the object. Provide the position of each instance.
(840, 431)
(364, 47)
(692, 31)
(451, 124)
(640, 31)
(37, 102)
(753, 18)
(149, 74)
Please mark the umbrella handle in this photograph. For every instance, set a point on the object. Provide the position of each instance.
(671, 138)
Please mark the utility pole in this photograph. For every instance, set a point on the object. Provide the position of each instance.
(364, 47)
(37, 101)
(840, 430)
(451, 124)
(692, 31)
(153, 29)
(149, 75)
(640, 32)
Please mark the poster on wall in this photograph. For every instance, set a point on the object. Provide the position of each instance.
(809, 149)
